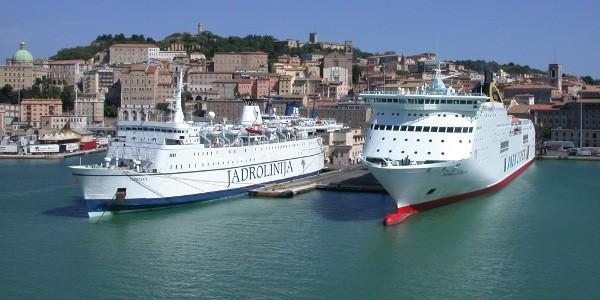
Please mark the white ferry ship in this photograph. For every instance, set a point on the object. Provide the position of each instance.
(159, 164)
(435, 145)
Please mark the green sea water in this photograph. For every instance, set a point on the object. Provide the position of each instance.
(537, 238)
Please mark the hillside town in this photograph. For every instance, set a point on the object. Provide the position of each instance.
(75, 101)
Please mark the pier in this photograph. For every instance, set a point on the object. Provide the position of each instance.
(352, 179)
(52, 156)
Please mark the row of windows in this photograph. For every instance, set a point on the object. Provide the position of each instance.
(416, 152)
(151, 129)
(422, 128)
(421, 101)
(419, 115)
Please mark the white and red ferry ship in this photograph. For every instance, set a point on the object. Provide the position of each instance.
(435, 145)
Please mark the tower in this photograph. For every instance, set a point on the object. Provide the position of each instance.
(555, 75)
(200, 28)
(312, 38)
(347, 46)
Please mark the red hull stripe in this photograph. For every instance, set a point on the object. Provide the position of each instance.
(404, 212)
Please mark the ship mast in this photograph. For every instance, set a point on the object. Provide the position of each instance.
(176, 101)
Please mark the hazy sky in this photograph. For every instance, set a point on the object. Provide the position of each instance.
(525, 32)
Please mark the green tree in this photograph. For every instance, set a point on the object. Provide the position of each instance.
(356, 73)
(110, 110)
(590, 80)
(68, 97)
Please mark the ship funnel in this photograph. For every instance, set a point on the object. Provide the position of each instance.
(250, 114)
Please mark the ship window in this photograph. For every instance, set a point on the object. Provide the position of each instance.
(418, 128)
(436, 101)
(442, 141)
(395, 100)
(465, 129)
(406, 140)
(418, 140)
(434, 129)
(444, 116)
(416, 152)
(403, 128)
(402, 151)
(427, 101)
(428, 153)
(389, 127)
(443, 101)
(396, 127)
(470, 129)
(430, 140)
(420, 101)
(463, 102)
(411, 128)
(442, 129)
(426, 128)
(442, 153)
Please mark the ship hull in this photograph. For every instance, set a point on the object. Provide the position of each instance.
(118, 190)
(417, 188)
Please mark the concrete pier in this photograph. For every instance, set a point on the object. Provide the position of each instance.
(353, 179)
(53, 156)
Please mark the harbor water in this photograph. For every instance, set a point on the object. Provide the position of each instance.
(537, 238)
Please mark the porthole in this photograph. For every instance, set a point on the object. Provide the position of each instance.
(460, 141)
(415, 152)
(394, 139)
(428, 153)
(383, 138)
(389, 151)
(442, 141)
(406, 140)
(402, 151)
(418, 140)
(442, 153)
(377, 150)
(430, 141)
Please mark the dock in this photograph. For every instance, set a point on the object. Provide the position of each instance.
(352, 179)
(52, 156)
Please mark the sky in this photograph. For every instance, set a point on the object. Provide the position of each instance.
(533, 33)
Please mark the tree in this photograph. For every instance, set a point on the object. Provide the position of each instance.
(590, 80)
(110, 110)
(356, 73)
(68, 97)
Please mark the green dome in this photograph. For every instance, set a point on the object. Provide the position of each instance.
(22, 55)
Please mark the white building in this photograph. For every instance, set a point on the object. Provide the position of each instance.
(132, 53)
(338, 74)
(169, 55)
(60, 122)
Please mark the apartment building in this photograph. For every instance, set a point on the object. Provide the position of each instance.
(32, 110)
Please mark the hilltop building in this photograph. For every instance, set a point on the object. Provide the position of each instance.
(21, 70)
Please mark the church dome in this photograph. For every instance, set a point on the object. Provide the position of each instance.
(22, 55)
